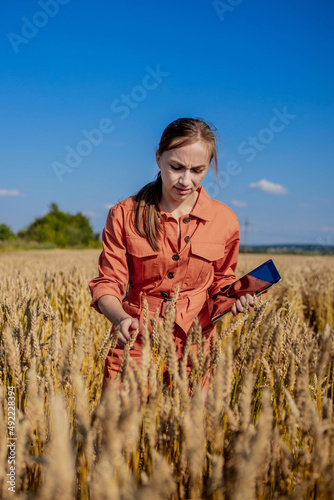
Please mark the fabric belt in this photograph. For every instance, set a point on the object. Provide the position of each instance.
(154, 302)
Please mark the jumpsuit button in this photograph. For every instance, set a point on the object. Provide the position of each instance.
(186, 219)
(176, 256)
(187, 239)
(170, 275)
(164, 295)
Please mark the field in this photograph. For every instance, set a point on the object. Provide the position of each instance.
(266, 429)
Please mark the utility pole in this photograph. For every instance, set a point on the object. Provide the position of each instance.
(246, 236)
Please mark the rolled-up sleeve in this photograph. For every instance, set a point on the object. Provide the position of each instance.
(224, 268)
(113, 266)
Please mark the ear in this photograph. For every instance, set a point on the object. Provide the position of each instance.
(157, 157)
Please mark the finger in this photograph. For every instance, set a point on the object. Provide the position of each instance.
(135, 324)
(126, 329)
(126, 335)
(239, 306)
(247, 299)
(234, 310)
(243, 300)
(250, 300)
(121, 341)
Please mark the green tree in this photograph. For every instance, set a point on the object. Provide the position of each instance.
(61, 228)
(5, 232)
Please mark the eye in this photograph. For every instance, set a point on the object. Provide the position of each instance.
(198, 171)
(174, 168)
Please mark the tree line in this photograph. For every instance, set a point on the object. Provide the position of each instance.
(58, 228)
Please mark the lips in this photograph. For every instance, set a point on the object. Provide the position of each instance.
(182, 191)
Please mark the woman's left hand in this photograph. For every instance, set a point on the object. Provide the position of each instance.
(239, 305)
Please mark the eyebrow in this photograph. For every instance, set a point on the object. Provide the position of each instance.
(182, 165)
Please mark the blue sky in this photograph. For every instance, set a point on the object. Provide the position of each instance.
(261, 72)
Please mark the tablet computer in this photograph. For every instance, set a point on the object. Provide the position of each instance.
(254, 282)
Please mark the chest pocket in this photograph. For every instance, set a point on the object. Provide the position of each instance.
(200, 264)
(142, 261)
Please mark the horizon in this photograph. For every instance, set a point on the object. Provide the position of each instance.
(322, 244)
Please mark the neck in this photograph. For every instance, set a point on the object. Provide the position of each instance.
(179, 209)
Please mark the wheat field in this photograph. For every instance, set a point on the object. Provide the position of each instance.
(265, 429)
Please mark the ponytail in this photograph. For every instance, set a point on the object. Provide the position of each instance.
(147, 211)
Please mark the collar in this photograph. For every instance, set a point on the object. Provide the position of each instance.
(202, 208)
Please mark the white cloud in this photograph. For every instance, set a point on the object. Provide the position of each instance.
(90, 214)
(268, 187)
(238, 203)
(9, 192)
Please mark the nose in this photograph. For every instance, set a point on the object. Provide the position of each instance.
(185, 177)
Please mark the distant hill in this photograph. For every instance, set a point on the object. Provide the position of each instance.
(290, 249)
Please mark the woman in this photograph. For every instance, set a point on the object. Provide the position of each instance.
(170, 233)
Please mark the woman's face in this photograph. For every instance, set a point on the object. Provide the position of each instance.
(182, 171)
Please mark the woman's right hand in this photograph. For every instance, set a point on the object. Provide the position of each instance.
(112, 308)
(126, 327)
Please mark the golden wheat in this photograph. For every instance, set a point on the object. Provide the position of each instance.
(264, 428)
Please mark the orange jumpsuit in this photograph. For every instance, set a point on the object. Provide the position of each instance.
(201, 260)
